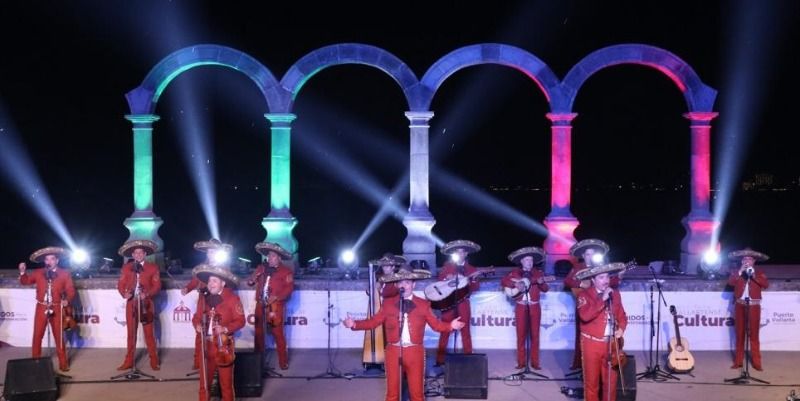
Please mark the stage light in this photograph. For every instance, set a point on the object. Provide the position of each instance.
(348, 256)
(79, 259)
(243, 264)
(314, 264)
(220, 257)
(598, 258)
(175, 266)
(455, 257)
(710, 264)
(106, 266)
(348, 261)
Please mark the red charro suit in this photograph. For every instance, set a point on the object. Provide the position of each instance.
(231, 316)
(574, 285)
(463, 310)
(150, 285)
(593, 313)
(61, 288)
(757, 283)
(195, 283)
(527, 312)
(413, 352)
(281, 285)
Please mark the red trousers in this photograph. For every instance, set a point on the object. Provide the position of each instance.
(40, 322)
(225, 375)
(528, 326)
(463, 311)
(413, 369)
(132, 323)
(754, 323)
(595, 371)
(276, 328)
(576, 356)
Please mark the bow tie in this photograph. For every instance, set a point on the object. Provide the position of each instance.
(270, 270)
(408, 305)
(214, 300)
(527, 274)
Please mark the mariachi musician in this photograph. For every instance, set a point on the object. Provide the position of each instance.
(748, 282)
(274, 282)
(527, 311)
(590, 253)
(54, 292)
(603, 323)
(210, 248)
(404, 317)
(219, 316)
(458, 265)
(139, 283)
(374, 344)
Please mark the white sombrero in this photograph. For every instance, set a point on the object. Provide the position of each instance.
(38, 256)
(213, 243)
(607, 268)
(580, 247)
(466, 245)
(740, 254)
(405, 274)
(203, 271)
(534, 251)
(389, 259)
(127, 248)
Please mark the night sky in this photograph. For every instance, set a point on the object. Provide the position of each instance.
(65, 67)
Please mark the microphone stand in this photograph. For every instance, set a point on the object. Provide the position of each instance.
(203, 322)
(744, 377)
(332, 372)
(521, 375)
(655, 372)
(135, 373)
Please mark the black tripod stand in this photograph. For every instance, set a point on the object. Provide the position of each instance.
(653, 371)
(522, 375)
(134, 373)
(744, 377)
(332, 372)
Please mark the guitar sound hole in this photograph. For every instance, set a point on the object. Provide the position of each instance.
(679, 348)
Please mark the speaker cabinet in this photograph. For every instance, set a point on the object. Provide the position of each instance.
(31, 379)
(247, 380)
(466, 376)
(628, 377)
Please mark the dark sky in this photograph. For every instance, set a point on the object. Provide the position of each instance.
(65, 67)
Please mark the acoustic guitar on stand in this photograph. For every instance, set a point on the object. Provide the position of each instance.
(680, 359)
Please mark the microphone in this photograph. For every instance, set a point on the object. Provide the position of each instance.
(138, 267)
(402, 290)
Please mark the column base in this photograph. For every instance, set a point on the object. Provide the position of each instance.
(699, 238)
(419, 243)
(279, 231)
(560, 237)
(145, 225)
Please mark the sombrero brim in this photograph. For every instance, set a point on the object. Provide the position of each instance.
(740, 254)
(204, 271)
(416, 274)
(265, 248)
(536, 252)
(608, 268)
(580, 247)
(38, 256)
(127, 248)
(204, 246)
(393, 260)
(468, 246)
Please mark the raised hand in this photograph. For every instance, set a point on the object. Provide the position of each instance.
(349, 322)
(456, 324)
(22, 267)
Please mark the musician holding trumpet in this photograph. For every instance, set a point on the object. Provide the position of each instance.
(138, 284)
(274, 283)
(54, 291)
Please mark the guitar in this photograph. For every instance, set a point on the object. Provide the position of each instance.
(439, 293)
(513, 292)
(628, 266)
(680, 359)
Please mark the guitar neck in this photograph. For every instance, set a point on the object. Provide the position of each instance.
(677, 330)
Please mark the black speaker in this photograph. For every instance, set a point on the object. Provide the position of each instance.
(466, 376)
(247, 380)
(628, 377)
(30, 379)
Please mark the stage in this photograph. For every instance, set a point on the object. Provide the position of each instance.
(92, 368)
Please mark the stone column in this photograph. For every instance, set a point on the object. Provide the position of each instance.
(560, 223)
(700, 224)
(279, 223)
(143, 223)
(419, 243)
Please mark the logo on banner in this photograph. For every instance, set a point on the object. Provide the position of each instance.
(783, 318)
(12, 315)
(119, 314)
(86, 316)
(548, 317)
(181, 313)
(289, 321)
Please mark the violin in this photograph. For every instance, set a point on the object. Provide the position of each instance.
(67, 318)
(618, 357)
(225, 350)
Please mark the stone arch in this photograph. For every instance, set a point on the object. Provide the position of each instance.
(349, 53)
(699, 96)
(488, 53)
(144, 98)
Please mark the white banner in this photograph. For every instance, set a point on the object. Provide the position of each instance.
(705, 319)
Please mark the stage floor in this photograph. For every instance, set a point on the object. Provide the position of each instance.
(92, 368)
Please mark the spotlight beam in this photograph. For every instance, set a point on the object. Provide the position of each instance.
(17, 168)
